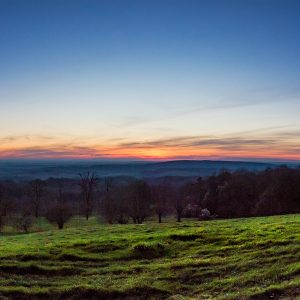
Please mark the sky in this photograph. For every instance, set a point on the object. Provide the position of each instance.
(150, 79)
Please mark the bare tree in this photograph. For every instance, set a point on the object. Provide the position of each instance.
(115, 203)
(108, 201)
(179, 202)
(6, 202)
(121, 205)
(160, 195)
(139, 201)
(1, 201)
(59, 214)
(36, 193)
(87, 184)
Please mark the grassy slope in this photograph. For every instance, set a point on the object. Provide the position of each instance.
(227, 259)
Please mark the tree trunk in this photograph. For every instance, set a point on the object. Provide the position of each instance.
(159, 218)
(178, 217)
(36, 212)
(87, 214)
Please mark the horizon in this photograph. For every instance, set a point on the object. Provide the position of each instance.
(142, 161)
(150, 80)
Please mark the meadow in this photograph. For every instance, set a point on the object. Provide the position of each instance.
(253, 258)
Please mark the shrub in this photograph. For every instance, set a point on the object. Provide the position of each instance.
(59, 214)
(205, 214)
(24, 222)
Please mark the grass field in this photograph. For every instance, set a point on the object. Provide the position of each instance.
(256, 258)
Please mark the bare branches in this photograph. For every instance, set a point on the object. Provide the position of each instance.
(36, 192)
(87, 184)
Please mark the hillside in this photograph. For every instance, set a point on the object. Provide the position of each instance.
(24, 170)
(255, 258)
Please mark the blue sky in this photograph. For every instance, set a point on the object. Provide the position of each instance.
(124, 78)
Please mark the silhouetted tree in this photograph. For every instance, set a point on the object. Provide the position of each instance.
(87, 184)
(120, 203)
(7, 203)
(198, 191)
(179, 201)
(237, 194)
(210, 200)
(267, 203)
(109, 208)
(1, 201)
(139, 201)
(59, 214)
(160, 195)
(36, 193)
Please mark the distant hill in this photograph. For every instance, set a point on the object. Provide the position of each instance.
(23, 170)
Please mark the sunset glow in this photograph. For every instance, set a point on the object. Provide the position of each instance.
(178, 148)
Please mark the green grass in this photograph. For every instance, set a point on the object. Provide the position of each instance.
(255, 258)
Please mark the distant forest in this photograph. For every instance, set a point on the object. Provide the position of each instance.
(227, 194)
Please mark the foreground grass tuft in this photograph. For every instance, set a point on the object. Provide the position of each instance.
(148, 250)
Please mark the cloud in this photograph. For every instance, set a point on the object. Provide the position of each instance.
(54, 152)
(243, 99)
(273, 142)
(14, 138)
(196, 141)
(272, 145)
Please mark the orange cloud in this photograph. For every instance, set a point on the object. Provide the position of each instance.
(281, 146)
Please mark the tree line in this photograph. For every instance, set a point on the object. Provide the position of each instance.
(224, 195)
